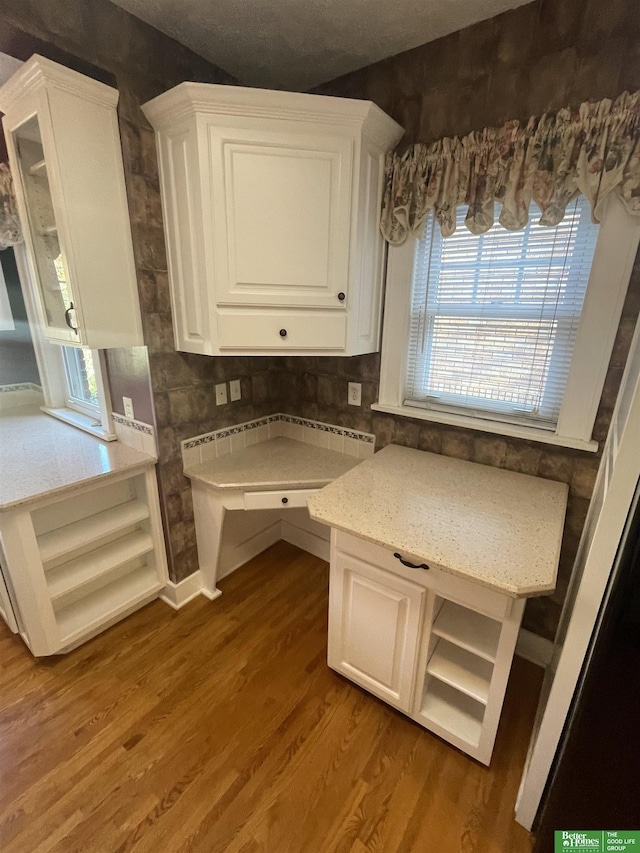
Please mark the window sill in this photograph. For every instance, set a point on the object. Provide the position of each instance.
(80, 421)
(511, 430)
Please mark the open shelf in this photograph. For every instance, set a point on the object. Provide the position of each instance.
(453, 712)
(469, 630)
(80, 535)
(107, 603)
(93, 570)
(462, 670)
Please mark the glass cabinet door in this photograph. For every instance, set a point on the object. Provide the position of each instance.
(53, 281)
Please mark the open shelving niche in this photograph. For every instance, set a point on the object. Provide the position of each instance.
(98, 555)
(460, 657)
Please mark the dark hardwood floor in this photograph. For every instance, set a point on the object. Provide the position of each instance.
(220, 729)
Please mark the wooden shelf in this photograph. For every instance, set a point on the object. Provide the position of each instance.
(453, 712)
(37, 167)
(469, 630)
(94, 569)
(462, 670)
(106, 604)
(81, 535)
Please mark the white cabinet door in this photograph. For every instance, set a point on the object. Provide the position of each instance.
(281, 204)
(374, 628)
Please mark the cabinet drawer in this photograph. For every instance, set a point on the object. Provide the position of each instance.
(452, 587)
(285, 498)
(325, 330)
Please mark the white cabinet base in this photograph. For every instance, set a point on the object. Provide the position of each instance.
(79, 563)
(432, 645)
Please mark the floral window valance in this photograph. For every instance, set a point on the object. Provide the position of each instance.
(10, 230)
(550, 160)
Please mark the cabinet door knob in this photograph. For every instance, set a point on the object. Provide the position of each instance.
(410, 565)
(283, 333)
(285, 500)
(69, 318)
(342, 296)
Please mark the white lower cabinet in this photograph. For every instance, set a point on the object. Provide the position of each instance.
(77, 564)
(374, 620)
(435, 646)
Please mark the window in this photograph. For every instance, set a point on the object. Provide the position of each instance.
(494, 317)
(507, 332)
(81, 380)
(72, 378)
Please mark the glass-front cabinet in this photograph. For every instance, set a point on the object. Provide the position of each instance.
(55, 296)
(64, 150)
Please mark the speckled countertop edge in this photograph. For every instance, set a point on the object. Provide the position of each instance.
(292, 457)
(396, 472)
(38, 454)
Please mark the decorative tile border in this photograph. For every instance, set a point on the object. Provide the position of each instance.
(226, 432)
(139, 426)
(135, 434)
(20, 386)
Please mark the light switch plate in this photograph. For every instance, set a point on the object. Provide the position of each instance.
(127, 402)
(221, 394)
(234, 390)
(354, 397)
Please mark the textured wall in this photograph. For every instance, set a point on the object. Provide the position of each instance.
(545, 55)
(146, 63)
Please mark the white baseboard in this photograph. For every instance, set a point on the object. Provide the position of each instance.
(534, 648)
(306, 540)
(176, 595)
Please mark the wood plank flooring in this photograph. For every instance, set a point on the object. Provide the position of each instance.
(220, 729)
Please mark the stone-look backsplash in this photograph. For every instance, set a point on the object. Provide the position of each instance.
(542, 56)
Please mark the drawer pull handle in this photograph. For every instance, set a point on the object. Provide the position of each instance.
(283, 333)
(410, 565)
(285, 500)
(342, 296)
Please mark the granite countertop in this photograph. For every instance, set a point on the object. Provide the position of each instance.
(279, 463)
(41, 456)
(498, 528)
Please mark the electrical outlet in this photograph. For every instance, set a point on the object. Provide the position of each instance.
(234, 390)
(127, 402)
(354, 396)
(221, 394)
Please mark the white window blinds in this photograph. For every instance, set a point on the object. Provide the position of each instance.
(494, 317)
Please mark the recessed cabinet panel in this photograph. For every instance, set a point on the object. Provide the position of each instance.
(376, 618)
(287, 225)
(184, 243)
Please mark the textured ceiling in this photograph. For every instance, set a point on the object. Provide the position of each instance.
(297, 44)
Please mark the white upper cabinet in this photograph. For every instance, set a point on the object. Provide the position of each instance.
(271, 205)
(64, 148)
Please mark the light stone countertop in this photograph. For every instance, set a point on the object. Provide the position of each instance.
(41, 456)
(279, 463)
(494, 527)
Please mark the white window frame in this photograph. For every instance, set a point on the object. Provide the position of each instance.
(608, 282)
(53, 375)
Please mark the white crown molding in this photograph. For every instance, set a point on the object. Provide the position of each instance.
(188, 100)
(39, 72)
